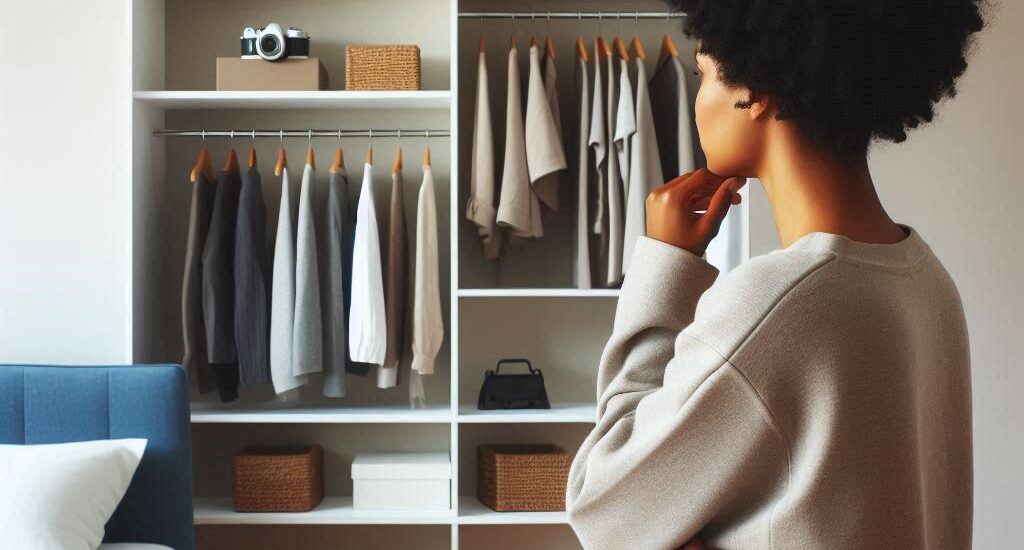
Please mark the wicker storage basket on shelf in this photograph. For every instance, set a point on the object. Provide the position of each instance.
(522, 477)
(279, 478)
(382, 67)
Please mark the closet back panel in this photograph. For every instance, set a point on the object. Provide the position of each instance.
(546, 262)
(563, 337)
(193, 41)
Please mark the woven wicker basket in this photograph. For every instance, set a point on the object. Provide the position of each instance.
(522, 478)
(382, 67)
(279, 479)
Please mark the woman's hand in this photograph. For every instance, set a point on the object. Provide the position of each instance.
(694, 544)
(673, 210)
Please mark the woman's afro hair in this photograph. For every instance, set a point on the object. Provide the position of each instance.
(843, 71)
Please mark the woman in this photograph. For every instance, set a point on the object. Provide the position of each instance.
(818, 396)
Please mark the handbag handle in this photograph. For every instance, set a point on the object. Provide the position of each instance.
(513, 361)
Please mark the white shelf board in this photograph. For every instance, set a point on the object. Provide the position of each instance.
(576, 413)
(269, 414)
(538, 293)
(327, 99)
(474, 512)
(332, 510)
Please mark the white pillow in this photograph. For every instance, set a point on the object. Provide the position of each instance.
(60, 497)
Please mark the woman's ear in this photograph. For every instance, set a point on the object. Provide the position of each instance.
(758, 105)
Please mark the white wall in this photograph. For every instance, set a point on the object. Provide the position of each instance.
(65, 216)
(958, 181)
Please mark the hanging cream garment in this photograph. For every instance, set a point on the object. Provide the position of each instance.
(545, 156)
(645, 167)
(480, 207)
(396, 286)
(613, 189)
(518, 208)
(582, 243)
(427, 320)
(367, 330)
(625, 123)
(307, 331)
(282, 298)
(599, 142)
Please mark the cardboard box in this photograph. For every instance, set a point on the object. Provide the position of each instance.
(237, 74)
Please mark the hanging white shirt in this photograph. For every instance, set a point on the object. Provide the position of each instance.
(518, 207)
(367, 329)
(545, 156)
(282, 298)
(645, 167)
(480, 208)
(428, 325)
(582, 242)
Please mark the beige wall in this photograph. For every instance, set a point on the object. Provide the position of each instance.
(958, 182)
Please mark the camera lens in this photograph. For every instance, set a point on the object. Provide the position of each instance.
(270, 45)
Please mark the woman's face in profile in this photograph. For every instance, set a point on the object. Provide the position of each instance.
(728, 136)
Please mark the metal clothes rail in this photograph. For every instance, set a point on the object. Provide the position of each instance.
(308, 134)
(574, 15)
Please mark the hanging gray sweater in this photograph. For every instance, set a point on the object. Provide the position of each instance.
(819, 397)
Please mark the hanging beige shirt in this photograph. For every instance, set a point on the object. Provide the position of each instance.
(480, 208)
(613, 190)
(599, 143)
(428, 325)
(367, 326)
(582, 247)
(545, 157)
(625, 123)
(645, 167)
(518, 207)
(818, 397)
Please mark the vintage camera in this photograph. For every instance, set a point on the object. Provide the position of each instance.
(273, 43)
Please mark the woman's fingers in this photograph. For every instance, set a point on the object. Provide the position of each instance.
(719, 206)
(695, 544)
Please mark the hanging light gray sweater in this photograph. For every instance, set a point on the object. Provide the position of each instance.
(818, 397)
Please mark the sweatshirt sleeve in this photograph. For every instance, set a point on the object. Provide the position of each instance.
(680, 433)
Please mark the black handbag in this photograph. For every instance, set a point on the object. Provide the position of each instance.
(513, 391)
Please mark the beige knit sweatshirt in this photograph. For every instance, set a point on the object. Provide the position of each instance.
(817, 398)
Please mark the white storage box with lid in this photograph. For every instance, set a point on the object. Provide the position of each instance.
(401, 481)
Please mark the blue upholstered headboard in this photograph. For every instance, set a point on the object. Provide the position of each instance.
(40, 404)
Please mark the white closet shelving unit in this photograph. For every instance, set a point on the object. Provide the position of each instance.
(527, 311)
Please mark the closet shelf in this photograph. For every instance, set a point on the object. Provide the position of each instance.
(566, 413)
(332, 510)
(473, 512)
(328, 99)
(538, 293)
(388, 414)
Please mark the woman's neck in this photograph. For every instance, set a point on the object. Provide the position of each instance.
(815, 191)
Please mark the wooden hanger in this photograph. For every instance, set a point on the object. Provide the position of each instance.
(483, 45)
(668, 49)
(282, 161)
(512, 41)
(397, 166)
(533, 40)
(581, 49)
(426, 157)
(602, 48)
(638, 48)
(203, 166)
(620, 48)
(232, 164)
(549, 47)
(310, 157)
(252, 158)
(369, 152)
(339, 161)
